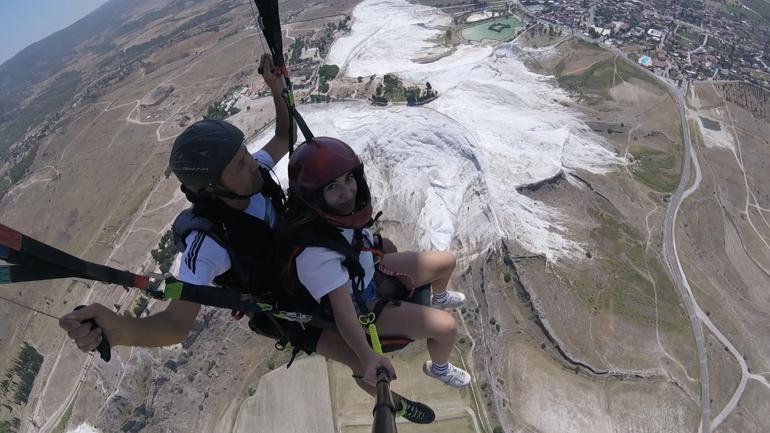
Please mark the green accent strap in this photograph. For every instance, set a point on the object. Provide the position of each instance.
(173, 290)
(367, 320)
(376, 346)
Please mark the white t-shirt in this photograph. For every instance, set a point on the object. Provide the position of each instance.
(203, 258)
(321, 271)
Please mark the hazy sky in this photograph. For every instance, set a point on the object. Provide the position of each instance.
(23, 22)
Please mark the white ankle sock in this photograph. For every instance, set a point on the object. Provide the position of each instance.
(440, 369)
(440, 297)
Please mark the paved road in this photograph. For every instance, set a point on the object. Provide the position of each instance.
(669, 249)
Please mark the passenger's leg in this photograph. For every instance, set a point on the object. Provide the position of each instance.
(434, 267)
(418, 322)
(438, 327)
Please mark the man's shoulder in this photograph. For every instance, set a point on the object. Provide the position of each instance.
(202, 260)
(202, 244)
(264, 158)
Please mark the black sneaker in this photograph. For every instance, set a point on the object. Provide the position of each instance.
(415, 412)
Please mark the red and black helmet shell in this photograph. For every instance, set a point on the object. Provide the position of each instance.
(319, 161)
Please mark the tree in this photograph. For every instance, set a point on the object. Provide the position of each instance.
(165, 252)
(296, 49)
(329, 72)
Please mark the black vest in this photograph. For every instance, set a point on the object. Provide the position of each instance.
(249, 241)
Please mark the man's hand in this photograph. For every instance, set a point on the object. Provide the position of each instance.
(165, 328)
(270, 74)
(278, 146)
(80, 331)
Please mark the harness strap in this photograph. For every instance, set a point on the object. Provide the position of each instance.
(216, 297)
(294, 352)
(356, 272)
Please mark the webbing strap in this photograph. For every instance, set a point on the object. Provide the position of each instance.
(26, 273)
(32, 254)
(216, 297)
(270, 24)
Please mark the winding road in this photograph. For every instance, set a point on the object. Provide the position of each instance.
(672, 259)
(696, 315)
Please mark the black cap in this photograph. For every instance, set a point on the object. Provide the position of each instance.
(202, 152)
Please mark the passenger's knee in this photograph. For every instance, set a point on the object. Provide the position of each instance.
(445, 325)
(450, 261)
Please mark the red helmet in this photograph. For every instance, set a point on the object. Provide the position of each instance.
(319, 161)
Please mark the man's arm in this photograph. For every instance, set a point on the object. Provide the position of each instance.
(170, 326)
(203, 260)
(278, 146)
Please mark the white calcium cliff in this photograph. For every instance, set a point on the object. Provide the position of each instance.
(449, 170)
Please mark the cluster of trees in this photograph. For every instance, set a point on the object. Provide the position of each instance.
(549, 31)
(315, 99)
(220, 111)
(141, 304)
(325, 74)
(392, 89)
(749, 97)
(165, 252)
(295, 49)
(18, 382)
(10, 426)
(322, 41)
(344, 24)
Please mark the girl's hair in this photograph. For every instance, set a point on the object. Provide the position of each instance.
(298, 215)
